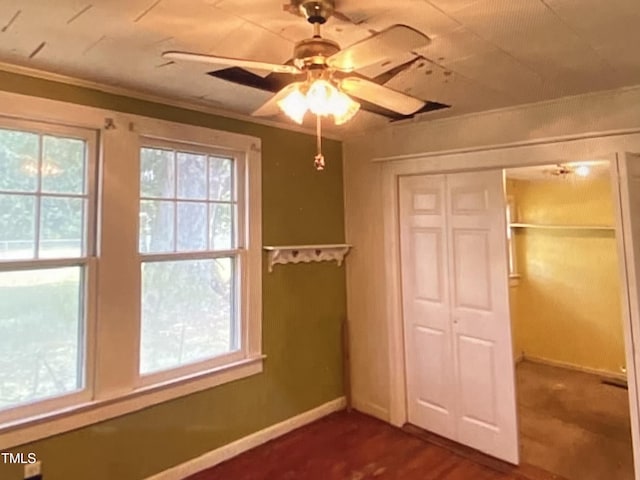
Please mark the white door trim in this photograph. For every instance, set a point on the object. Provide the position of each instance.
(629, 298)
(539, 154)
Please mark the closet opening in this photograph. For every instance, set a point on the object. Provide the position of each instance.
(567, 312)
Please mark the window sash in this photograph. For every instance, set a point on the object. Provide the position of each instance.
(236, 202)
(86, 261)
(237, 254)
(86, 338)
(90, 137)
(190, 369)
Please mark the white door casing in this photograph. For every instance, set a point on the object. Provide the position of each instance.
(627, 180)
(460, 372)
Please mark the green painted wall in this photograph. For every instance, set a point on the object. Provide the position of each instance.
(303, 306)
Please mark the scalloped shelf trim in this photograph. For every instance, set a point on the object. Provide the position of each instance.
(281, 255)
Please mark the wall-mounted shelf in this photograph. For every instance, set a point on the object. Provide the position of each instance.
(561, 227)
(306, 254)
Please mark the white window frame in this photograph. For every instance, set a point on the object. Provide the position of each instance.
(112, 370)
(87, 263)
(239, 254)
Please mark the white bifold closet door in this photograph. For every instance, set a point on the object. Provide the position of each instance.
(458, 351)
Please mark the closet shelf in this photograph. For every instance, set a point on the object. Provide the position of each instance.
(306, 253)
(561, 227)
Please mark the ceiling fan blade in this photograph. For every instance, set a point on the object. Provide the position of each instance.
(380, 95)
(378, 47)
(270, 107)
(234, 62)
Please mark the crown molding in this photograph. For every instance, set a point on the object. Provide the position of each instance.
(151, 97)
(453, 117)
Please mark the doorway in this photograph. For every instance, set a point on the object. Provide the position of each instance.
(567, 321)
(627, 228)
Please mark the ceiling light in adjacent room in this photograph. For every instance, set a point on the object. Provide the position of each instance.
(582, 170)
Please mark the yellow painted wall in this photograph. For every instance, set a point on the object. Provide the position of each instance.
(566, 307)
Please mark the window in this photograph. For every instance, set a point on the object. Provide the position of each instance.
(191, 257)
(130, 264)
(46, 252)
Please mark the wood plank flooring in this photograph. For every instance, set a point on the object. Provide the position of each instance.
(353, 446)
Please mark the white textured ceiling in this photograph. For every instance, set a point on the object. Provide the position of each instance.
(485, 54)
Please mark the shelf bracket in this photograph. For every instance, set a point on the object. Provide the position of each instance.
(281, 255)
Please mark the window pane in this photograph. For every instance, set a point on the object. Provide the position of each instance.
(157, 173)
(63, 165)
(221, 226)
(17, 226)
(18, 161)
(221, 179)
(61, 227)
(187, 312)
(192, 176)
(156, 226)
(41, 334)
(192, 226)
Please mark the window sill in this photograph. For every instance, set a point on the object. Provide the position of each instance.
(27, 430)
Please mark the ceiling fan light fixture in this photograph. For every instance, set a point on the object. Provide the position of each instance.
(294, 106)
(320, 97)
(343, 107)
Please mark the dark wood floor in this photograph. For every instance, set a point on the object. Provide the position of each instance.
(352, 446)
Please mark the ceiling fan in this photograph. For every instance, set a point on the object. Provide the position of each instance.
(324, 79)
(565, 170)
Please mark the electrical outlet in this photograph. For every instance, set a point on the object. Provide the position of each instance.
(33, 471)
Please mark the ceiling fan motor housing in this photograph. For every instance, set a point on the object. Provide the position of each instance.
(314, 51)
(315, 11)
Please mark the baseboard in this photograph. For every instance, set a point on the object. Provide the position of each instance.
(233, 449)
(577, 368)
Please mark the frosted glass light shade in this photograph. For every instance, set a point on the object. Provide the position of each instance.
(343, 107)
(323, 99)
(294, 106)
(319, 97)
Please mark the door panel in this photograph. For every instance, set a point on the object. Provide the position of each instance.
(472, 279)
(477, 380)
(427, 242)
(483, 359)
(425, 299)
(431, 384)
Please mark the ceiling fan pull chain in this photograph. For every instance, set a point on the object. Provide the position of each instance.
(319, 159)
